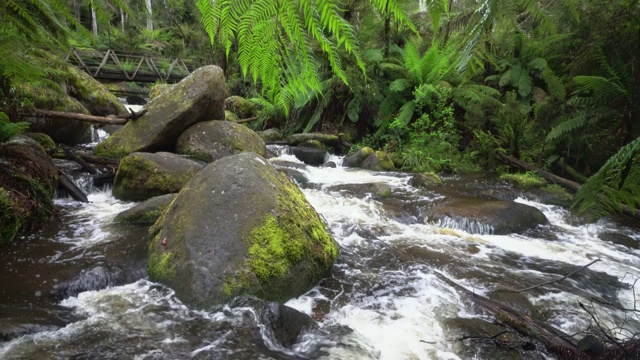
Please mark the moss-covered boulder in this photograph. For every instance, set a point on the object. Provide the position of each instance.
(240, 106)
(43, 139)
(367, 158)
(212, 140)
(70, 132)
(28, 181)
(425, 180)
(92, 94)
(484, 216)
(198, 97)
(141, 176)
(146, 212)
(158, 89)
(230, 116)
(240, 227)
(270, 135)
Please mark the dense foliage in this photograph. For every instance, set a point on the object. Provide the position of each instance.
(440, 85)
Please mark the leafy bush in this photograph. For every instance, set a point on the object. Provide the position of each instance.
(527, 179)
(9, 129)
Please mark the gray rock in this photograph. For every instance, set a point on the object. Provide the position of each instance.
(198, 97)
(142, 176)
(310, 156)
(146, 212)
(239, 106)
(240, 227)
(483, 216)
(270, 135)
(367, 158)
(212, 140)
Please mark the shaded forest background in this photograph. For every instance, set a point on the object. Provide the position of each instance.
(441, 85)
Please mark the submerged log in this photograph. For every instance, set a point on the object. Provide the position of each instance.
(67, 184)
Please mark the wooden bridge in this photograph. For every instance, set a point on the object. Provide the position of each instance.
(111, 65)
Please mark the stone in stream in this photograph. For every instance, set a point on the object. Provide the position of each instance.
(240, 227)
(240, 106)
(212, 140)
(146, 212)
(310, 156)
(198, 97)
(142, 176)
(28, 181)
(485, 216)
(367, 158)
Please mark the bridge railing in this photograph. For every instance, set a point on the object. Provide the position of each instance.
(111, 65)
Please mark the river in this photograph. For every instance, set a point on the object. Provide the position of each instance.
(77, 289)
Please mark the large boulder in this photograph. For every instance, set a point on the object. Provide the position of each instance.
(158, 89)
(367, 158)
(28, 181)
(309, 155)
(141, 176)
(146, 212)
(326, 139)
(92, 94)
(70, 132)
(240, 106)
(484, 216)
(198, 97)
(240, 227)
(212, 140)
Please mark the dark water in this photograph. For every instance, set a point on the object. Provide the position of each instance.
(77, 289)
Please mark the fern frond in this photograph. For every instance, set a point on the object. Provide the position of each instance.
(567, 127)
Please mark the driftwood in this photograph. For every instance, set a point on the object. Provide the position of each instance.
(67, 184)
(106, 120)
(511, 161)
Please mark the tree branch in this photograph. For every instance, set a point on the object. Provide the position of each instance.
(556, 280)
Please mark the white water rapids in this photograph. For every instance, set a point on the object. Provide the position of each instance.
(383, 300)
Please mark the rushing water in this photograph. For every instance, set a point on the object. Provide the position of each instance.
(77, 289)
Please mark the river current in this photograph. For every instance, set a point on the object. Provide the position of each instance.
(77, 289)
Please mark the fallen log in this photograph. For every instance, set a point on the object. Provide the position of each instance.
(555, 341)
(72, 155)
(70, 187)
(511, 161)
(242, 121)
(106, 120)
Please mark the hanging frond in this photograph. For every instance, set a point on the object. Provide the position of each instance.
(568, 127)
(617, 183)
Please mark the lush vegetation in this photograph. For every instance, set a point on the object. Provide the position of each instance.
(440, 85)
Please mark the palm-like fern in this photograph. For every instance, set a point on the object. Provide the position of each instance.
(616, 183)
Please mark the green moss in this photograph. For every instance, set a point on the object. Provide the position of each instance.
(159, 267)
(230, 116)
(528, 179)
(385, 162)
(43, 139)
(158, 89)
(11, 221)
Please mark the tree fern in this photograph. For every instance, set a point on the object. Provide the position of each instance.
(616, 183)
(568, 127)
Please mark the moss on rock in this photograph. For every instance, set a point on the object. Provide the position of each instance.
(240, 227)
(158, 89)
(142, 176)
(43, 139)
(92, 94)
(240, 106)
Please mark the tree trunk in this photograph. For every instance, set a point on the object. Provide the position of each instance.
(123, 20)
(73, 116)
(149, 15)
(94, 21)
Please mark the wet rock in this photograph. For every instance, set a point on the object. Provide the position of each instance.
(212, 140)
(368, 159)
(136, 100)
(378, 190)
(19, 321)
(142, 176)
(620, 239)
(147, 212)
(282, 323)
(240, 227)
(425, 180)
(553, 195)
(330, 164)
(240, 106)
(270, 135)
(310, 156)
(313, 144)
(198, 97)
(43, 139)
(516, 301)
(28, 181)
(482, 216)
